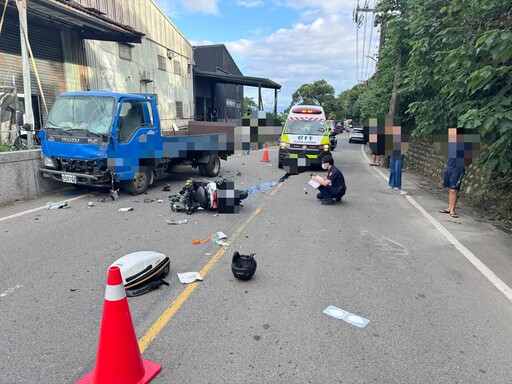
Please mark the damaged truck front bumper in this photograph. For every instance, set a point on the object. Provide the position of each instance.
(100, 180)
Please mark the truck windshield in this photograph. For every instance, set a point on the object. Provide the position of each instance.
(84, 113)
(305, 127)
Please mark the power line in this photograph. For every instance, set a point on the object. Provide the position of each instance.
(370, 41)
(359, 18)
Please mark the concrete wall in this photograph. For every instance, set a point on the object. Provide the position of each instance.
(20, 178)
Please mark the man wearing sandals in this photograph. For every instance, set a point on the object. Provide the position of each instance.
(454, 170)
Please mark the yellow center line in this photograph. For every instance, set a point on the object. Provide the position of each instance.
(164, 318)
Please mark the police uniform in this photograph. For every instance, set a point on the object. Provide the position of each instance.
(334, 189)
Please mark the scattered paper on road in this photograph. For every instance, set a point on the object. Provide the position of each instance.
(346, 316)
(189, 277)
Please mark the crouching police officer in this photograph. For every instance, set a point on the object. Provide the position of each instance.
(333, 187)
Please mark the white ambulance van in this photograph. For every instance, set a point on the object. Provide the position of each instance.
(305, 132)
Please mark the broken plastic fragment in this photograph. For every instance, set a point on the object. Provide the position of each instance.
(218, 236)
(201, 241)
(222, 243)
(52, 205)
(90, 204)
(127, 209)
(114, 194)
(176, 222)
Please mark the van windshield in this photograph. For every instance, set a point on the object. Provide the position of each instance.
(305, 127)
(83, 113)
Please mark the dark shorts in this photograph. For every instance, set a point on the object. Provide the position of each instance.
(453, 180)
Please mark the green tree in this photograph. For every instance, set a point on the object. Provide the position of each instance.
(318, 93)
(249, 103)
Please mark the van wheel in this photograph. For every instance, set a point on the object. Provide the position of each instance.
(138, 184)
(212, 167)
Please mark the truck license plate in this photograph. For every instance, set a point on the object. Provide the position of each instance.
(69, 179)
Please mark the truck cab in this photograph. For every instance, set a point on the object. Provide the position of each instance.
(305, 134)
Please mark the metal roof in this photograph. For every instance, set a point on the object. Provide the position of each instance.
(92, 23)
(237, 79)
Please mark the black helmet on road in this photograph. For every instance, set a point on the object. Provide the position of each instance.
(243, 266)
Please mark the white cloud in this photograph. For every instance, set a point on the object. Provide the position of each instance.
(250, 4)
(306, 52)
(330, 7)
(202, 6)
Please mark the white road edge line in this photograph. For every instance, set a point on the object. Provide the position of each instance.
(484, 270)
(39, 208)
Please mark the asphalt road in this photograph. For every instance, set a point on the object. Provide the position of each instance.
(433, 317)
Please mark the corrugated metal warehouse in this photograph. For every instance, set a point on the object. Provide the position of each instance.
(125, 46)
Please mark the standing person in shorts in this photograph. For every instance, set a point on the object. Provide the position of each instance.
(454, 170)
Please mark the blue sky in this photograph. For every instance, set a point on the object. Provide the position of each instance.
(290, 42)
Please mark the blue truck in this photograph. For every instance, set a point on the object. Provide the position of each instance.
(100, 138)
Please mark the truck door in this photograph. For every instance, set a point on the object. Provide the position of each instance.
(139, 140)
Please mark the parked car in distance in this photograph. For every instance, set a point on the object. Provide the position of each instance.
(356, 134)
(338, 128)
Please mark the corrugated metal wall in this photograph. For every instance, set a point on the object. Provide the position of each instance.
(108, 71)
(75, 61)
(46, 47)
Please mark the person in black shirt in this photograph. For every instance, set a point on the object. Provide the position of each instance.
(333, 187)
(454, 170)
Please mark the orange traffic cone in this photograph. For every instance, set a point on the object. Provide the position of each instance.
(118, 360)
(265, 155)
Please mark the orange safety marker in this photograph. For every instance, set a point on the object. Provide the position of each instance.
(118, 360)
(265, 155)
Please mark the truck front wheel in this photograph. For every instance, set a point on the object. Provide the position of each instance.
(138, 184)
(212, 167)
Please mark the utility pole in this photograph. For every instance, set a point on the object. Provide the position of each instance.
(358, 19)
(27, 90)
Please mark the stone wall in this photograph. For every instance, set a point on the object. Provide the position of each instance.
(480, 188)
(20, 177)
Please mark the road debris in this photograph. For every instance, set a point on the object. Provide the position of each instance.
(114, 194)
(127, 209)
(90, 204)
(189, 277)
(217, 239)
(159, 201)
(148, 200)
(201, 241)
(52, 205)
(166, 188)
(346, 316)
(176, 222)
